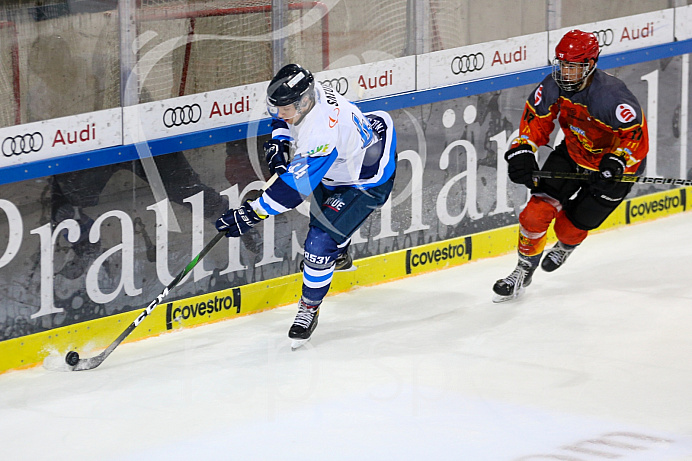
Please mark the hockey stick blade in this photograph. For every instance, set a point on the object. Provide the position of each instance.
(93, 362)
(624, 178)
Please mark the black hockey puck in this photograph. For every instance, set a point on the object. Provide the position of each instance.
(72, 358)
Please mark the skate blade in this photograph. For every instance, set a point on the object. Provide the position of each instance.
(350, 269)
(501, 298)
(297, 343)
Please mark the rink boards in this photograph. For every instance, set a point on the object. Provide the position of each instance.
(91, 337)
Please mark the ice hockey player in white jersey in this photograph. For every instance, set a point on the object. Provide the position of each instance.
(345, 159)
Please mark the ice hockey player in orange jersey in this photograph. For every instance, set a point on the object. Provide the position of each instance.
(605, 135)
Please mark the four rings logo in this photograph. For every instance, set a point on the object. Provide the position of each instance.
(22, 144)
(184, 115)
(467, 63)
(605, 37)
(340, 84)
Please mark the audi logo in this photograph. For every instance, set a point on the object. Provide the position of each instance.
(605, 37)
(340, 84)
(184, 115)
(467, 63)
(22, 144)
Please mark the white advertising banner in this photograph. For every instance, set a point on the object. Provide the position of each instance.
(683, 22)
(365, 81)
(57, 137)
(472, 62)
(214, 109)
(197, 112)
(628, 33)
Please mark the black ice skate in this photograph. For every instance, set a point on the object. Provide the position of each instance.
(557, 256)
(304, 324)
(513, 285)
(344, 262)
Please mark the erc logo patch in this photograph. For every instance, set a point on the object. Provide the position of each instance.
(625, 113)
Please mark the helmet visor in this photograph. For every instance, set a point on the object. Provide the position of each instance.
(570, 76)
(283, 112)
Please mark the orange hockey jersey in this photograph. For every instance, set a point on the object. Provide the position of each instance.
(604, 117)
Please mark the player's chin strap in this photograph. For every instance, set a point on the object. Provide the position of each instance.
(624, 178)
(586, 79)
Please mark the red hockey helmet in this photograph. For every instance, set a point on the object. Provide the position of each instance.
(572, 65)
(577, 46)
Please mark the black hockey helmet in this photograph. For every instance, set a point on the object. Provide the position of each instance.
(289, 86)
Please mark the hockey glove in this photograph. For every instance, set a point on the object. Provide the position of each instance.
(521, 165)
(236, 222)
(610, 167)
(276, 153)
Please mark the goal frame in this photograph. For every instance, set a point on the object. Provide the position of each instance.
(192, 16)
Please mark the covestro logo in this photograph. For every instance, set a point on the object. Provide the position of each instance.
(202, 308)
(656, 206)
(439, 255)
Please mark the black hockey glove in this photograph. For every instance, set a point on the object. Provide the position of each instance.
(236, 222)
(276, 153)
(611, 166)
(521, 165)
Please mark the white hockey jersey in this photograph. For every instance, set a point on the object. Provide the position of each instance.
(334, 144)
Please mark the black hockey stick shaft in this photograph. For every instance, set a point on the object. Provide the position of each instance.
(93, 362)
(623, 178)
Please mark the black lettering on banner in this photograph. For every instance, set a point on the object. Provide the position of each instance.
(236, 299)
(467, 63)
(655, 206)
(340, 85)
(182, 115)
(210, 306)
(683, 199)
(22, 144)
(169, 320)
(449, 252)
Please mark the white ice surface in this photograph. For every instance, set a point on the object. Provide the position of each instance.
(593, 363)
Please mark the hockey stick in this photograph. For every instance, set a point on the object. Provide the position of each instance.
(624, 178)
(78, 364)
(72, 358)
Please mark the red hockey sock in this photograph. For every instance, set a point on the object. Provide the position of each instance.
(534, 221)
(566, 231)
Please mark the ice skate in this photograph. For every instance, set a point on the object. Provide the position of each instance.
(513, 285)
(344, 262)
(304, 324)
(557, 256)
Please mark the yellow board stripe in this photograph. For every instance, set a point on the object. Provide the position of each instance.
(88, 338)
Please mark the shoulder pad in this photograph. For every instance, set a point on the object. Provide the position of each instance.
(613, 102)
(544, 96)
